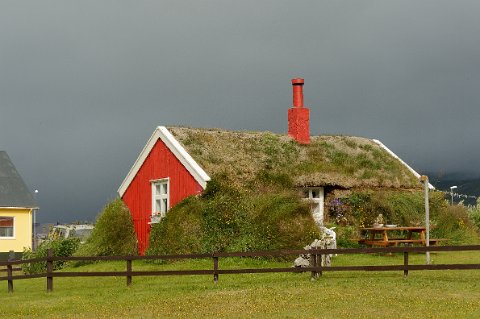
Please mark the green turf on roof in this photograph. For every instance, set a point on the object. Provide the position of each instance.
(343, 161)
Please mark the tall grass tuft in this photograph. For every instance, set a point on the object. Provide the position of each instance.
(113, 234)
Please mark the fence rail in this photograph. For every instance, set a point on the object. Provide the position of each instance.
(13, 269)
(315, 268)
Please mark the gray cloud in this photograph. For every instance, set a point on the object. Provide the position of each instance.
(84, 84)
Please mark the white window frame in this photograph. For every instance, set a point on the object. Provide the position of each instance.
(13, 228)
(310, 190)
(164, 205)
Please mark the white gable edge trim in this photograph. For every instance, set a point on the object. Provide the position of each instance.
(162, 133)
(197, 172)
(414, 172)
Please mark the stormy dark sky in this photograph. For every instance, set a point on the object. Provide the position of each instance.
(83, 84)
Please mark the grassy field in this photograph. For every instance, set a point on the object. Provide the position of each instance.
(425, 294)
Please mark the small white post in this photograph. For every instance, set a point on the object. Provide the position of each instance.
(424, 179)
(451, 193)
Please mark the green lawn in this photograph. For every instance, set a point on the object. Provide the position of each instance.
(425, 294)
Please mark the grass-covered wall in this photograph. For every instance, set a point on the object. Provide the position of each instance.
(230, 218)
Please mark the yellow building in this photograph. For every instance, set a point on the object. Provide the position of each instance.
(16, 208)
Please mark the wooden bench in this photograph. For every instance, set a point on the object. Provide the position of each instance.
(406, 241)
(435, 241)
(396, 242)
(381, 243)
(391, 242)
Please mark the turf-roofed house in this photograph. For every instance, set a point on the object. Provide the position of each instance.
(178, 162)
(16, 208)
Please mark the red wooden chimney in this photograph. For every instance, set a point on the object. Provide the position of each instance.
(298, 115)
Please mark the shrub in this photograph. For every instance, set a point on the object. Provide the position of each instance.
(114, 233)
(453, 223)
(347, 236)
(180, 231)
(60, 247)
(474, 214)
(402, 208)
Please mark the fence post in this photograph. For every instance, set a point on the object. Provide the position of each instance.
(215, 268)
(314, 261)
(11, 257)
(320, 263)
(49, 270)
(405, 263)
(129, 271)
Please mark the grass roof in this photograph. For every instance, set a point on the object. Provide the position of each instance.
(343, 161)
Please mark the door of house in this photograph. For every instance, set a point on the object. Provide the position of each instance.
(316, 197)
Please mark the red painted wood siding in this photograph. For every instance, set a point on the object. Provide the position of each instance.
(160, 163)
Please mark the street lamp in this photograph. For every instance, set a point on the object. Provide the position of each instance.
(451, 192)
(35, 222)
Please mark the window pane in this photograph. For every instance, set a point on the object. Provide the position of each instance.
(164, 205)
(305, 194)
(314, 194)
(164, 188)
(6, 226)
(160, 197)
(6, 221)
(4, 232)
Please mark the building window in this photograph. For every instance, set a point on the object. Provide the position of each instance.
(313, 193)
(160, 197)
(6, 227)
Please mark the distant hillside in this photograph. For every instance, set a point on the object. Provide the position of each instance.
(466, 185)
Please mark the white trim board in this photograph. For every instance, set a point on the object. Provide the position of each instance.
(162, 133)
(414, 172)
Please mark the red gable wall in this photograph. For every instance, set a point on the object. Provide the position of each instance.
(160, 163)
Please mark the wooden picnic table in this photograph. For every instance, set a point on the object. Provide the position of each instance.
(382, 236)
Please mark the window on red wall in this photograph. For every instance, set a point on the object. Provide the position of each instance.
(6, 227)
(160, 197)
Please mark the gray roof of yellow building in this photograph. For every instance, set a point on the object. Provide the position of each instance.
(13, 191)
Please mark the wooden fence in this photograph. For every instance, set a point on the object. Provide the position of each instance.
(316, 268)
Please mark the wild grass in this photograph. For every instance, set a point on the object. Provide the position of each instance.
(424, 294)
